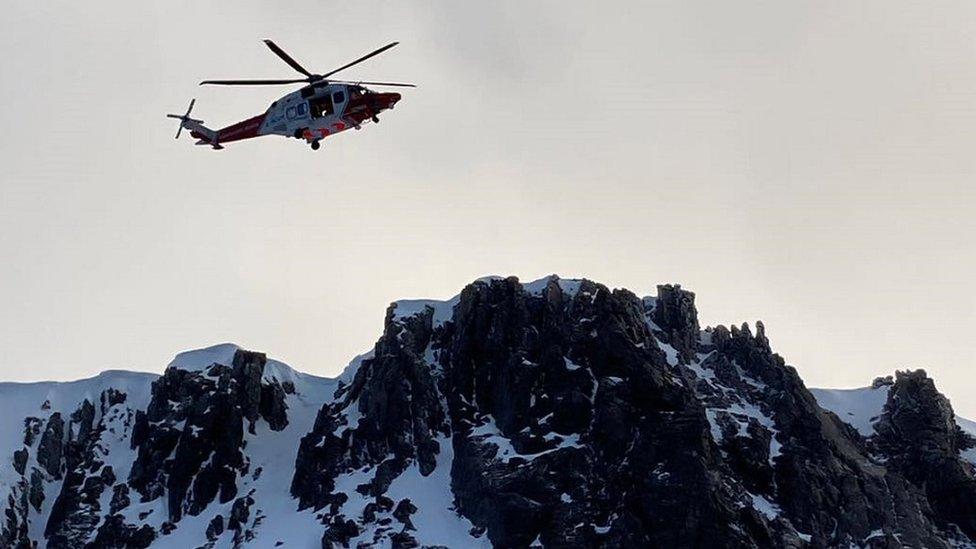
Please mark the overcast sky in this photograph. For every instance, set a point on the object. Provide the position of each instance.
(807, 164)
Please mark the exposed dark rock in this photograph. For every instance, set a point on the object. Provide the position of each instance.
(111, 397)
(399, 403)
(918, 435)
(882, 381)
(190, 438)
(120, 498)
(240, 513)
(32, 428)
(215, 528)
(75, 512)
(50, 448)
(20, 460)
(36, 493)
(403, 540)
(605, 442)
(675, 313)
(14, 527)
(403, 511)
(339, 532)
(823, 480)
(273, 407)
(114, 533)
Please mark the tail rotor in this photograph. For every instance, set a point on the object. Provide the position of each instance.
(184, 119)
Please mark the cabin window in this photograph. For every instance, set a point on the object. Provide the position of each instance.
(321, 106)
(338, 97)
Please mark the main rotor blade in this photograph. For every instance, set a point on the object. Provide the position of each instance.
(364, 83)
(361, 59)
(252, 82)
(286, 58)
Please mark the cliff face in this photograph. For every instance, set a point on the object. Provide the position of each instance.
(580, 416)
(557, 413)
(918, 437)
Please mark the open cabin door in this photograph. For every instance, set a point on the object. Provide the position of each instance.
(321, 105)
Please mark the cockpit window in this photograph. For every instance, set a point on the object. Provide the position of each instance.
(338, 97)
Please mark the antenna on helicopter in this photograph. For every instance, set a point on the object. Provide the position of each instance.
(310, 77)
(184, 118)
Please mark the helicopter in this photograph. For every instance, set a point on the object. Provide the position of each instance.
(321, 108)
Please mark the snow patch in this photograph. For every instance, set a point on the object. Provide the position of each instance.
(569, 286)
(767, 508)
(198, 360)
(443, 310)
(741, 414)
(488, 432)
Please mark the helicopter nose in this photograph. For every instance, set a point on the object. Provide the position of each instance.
(387, 100)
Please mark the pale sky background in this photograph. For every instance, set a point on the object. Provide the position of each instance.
(809, 164)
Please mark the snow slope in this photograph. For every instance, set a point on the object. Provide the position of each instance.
(27, 399)
(859, 408)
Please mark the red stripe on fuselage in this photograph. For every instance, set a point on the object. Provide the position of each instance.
(242, 130)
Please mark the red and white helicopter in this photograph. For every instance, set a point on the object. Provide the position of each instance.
(322, 108)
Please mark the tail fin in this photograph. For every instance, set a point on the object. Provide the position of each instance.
(205, 135)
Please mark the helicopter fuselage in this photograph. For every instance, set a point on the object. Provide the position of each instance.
(312, 113)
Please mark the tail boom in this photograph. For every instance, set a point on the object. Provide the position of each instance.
(245, 129)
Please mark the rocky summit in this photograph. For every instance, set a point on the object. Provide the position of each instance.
(558, 413)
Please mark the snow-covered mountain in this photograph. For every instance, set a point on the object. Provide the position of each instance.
(558, 413)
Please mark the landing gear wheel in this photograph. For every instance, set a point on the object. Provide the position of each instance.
(316, 145)
(376, 119)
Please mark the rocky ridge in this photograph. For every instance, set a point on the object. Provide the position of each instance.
(558, 413)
